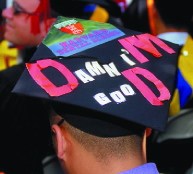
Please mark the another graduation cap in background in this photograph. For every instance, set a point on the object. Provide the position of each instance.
(2, 6)
(97, 10)
(96, 68)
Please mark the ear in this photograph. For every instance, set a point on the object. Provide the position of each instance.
(60, 141)
(144, 145)
(148, 131)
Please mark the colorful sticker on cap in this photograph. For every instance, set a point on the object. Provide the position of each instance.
(70, 36)
(71, 27)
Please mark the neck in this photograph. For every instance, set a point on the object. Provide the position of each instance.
(113, 165)
(161, 27)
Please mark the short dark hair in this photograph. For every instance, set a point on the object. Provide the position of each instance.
(104, 147)
(97, 123)
(170, 12)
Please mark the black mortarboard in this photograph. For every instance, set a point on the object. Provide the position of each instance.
(76, 8)
(95, 67)
(2, 4)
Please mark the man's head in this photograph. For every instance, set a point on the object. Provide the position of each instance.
(88, 139)
(169, 13)
(27, 22)
(157, 16)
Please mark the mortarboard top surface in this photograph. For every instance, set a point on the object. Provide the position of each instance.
(2, 4)
(75, 8)
(117, 72)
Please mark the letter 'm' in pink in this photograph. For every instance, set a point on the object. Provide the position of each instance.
(143, 42)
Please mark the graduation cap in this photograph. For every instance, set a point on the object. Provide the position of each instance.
(98, 69)
(110, 5)
(2, 6)
(97, 10)
(56, 5)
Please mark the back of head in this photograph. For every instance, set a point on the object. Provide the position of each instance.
(102, 135)
(174, 13)
(136, 16)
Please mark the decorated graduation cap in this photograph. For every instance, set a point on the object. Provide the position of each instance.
(98, 68)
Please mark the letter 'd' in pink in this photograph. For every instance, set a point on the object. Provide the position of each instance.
(131, 75)
(53, 90)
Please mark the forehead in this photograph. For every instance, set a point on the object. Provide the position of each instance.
(28, 5)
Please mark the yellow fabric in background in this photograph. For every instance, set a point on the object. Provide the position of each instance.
(8, 56)
(185, 65)
(186, 61)
(174, 105)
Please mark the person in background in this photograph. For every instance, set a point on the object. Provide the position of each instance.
(27, 22)
(176, 27)
(157, 18)
(8, 55)
(171, 24)
(172, 21)
(166, 20)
